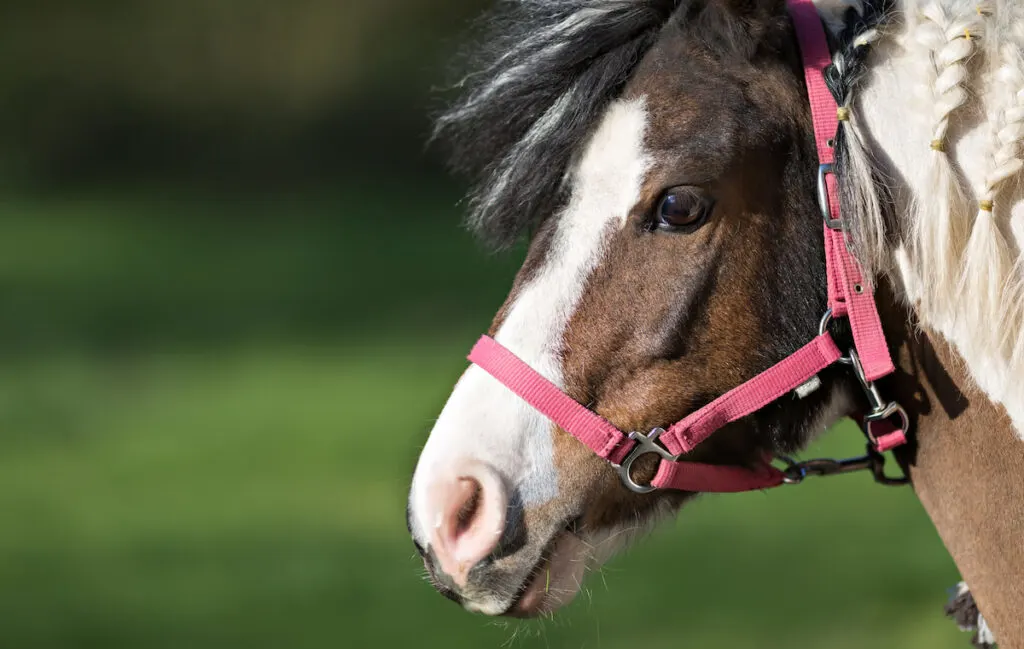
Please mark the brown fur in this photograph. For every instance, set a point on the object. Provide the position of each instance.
(968, 470)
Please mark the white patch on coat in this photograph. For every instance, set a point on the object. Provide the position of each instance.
(484, 420)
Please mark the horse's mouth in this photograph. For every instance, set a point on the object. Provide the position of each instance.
(556, 579)
(529, 600)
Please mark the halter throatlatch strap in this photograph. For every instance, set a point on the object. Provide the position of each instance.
(849, 295)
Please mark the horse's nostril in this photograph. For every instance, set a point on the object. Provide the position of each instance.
(468, 519)
(469, 509)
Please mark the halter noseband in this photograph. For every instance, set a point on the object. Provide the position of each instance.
(849, 296)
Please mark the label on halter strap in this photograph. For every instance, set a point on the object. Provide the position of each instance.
(810, 387)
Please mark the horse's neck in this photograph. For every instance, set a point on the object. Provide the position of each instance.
(967, 467)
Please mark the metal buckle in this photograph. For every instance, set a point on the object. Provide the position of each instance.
(826, 320)
(880, 409)
(645, 445)
(823, 171)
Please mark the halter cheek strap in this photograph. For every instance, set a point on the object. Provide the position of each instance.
(848, 296)
(848, 293)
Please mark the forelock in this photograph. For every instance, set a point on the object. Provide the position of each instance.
(541, 75)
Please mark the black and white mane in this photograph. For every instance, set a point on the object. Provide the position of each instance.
(543, 73)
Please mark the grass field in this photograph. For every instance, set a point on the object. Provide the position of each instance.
(210, 409)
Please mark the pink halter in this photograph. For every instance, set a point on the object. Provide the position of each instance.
(848, 296)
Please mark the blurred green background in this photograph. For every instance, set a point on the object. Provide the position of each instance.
(235, 295)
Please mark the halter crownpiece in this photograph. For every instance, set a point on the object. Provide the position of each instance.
(849, 296)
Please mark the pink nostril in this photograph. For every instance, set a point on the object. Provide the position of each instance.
(469, 517)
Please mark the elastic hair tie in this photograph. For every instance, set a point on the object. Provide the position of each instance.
(985, 206)
(843, 114)
(938, 145)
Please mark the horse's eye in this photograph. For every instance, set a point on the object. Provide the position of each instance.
(683, 208)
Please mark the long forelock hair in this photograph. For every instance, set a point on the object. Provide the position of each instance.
(543, 72)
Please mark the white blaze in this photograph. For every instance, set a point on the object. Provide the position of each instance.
(485, 421)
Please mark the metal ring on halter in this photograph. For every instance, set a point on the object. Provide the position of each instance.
(645, 445)
(823, 202)
(891, 409)
(826, 320)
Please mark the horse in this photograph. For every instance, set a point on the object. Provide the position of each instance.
(664, 161)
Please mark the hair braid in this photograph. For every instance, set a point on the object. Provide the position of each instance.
(1006, 161)
(988, 261)
(939, 238)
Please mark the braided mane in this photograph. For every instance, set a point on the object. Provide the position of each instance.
(962, 267)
